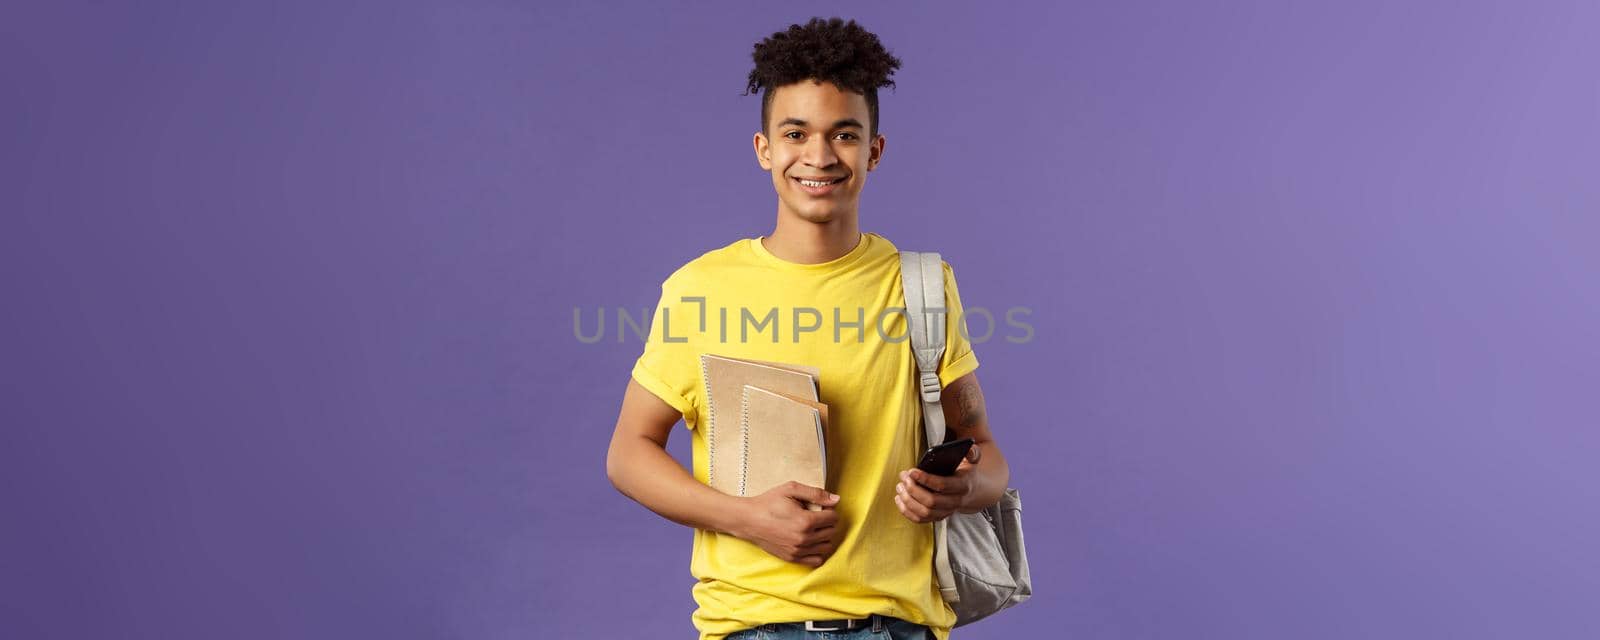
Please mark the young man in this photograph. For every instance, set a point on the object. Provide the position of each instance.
(814, 292)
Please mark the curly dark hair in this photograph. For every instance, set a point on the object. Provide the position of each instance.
(832, 50)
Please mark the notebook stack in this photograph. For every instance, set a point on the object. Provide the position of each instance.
(765, 427)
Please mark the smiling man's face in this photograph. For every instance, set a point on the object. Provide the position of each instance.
(819, 132)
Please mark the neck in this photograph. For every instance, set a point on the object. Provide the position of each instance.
(803, 242)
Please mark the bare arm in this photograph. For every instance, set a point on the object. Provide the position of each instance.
(640, 467)
(966, 417)
(981, 479)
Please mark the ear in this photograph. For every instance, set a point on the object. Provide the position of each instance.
(875, 154)
(763, 151)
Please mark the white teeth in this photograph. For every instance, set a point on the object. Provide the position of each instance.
(816, 184)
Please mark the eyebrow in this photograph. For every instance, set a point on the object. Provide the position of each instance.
(847, 122)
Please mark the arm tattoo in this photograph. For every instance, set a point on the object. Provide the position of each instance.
(969, 407)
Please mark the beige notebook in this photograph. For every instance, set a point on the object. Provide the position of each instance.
(785, 438)
(724, 379)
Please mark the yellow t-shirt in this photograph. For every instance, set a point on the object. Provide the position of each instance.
(829, 316)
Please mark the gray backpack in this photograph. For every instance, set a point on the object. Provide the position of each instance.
(979, 561)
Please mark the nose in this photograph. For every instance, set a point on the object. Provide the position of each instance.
(819, 153)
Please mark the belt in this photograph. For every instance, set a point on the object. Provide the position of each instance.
(846, 624)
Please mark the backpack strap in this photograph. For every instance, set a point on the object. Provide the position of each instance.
(922, 279)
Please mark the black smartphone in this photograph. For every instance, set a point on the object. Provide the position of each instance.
(942, 460)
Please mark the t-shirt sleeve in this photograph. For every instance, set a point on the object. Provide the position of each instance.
(959, 359)
(669, 366)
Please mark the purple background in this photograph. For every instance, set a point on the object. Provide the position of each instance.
(288, 296)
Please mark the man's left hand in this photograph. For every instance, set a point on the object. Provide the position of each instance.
(924, 497)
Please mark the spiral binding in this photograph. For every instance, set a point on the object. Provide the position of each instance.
(711, 426)
(744, 439)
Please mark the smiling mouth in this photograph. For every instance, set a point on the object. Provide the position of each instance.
(818, 183)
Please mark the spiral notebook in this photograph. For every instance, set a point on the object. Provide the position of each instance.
(784, 438)
(725, 379)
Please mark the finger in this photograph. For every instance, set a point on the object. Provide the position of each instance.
(916, 493)
(974, 454)
(824, 530)
(823, 547)
(901, 505)
(929, 513)
(935, 502)
(934, 484)
(826, 536)
(818, 535)
(967, 465)
(916, 508)
(822, 519)
(808, 493)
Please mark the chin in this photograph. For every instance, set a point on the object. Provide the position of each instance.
(819, 217)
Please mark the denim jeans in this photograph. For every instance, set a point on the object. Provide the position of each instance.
(892, 630)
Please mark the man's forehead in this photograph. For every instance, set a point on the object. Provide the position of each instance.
(817, 104)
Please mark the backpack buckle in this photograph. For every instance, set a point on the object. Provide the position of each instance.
(930, 386)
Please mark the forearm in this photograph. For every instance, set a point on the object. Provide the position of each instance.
(643, 471)
(990, 476)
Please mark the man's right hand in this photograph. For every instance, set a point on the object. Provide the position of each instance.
(779, 523)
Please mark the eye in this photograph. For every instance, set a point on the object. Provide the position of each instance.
(852, 136)
(789, 134)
